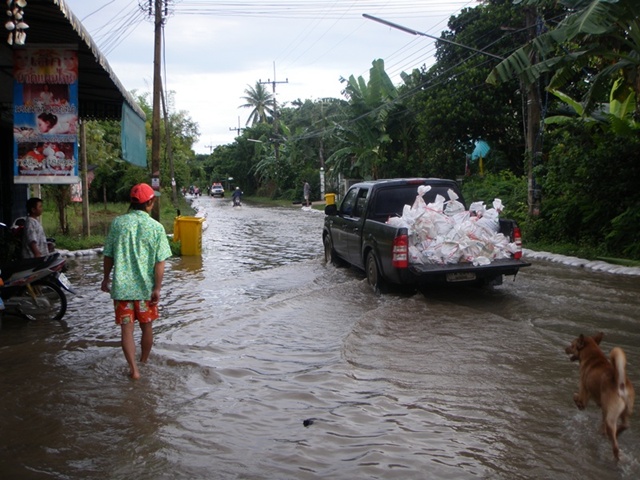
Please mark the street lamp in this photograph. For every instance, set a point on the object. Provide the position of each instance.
(416, 32)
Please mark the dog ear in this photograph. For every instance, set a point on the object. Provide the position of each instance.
(580, 342)
(598, 337)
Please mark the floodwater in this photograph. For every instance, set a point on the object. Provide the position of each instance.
(268, 364)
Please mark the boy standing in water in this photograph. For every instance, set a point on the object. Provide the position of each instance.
(136, 249)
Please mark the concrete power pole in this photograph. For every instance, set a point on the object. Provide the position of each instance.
(169, 151)
(534, 116)
(155, 120)
(276, 144)
(237, 129)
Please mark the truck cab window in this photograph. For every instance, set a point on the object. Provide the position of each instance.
(360, 201)
(348, 204)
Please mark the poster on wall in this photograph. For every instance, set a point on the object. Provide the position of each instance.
(45, 115)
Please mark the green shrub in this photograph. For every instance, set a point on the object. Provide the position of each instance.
(623, 238)
(506, 186)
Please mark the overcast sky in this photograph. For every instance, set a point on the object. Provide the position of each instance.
(213, 50)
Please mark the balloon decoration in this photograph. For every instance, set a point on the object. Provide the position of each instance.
(16, 24)
(479, 153)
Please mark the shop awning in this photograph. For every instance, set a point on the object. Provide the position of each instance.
(100, 93)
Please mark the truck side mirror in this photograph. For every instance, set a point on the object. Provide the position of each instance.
(331, 210)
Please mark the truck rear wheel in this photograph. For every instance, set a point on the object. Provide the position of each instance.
(373, 274)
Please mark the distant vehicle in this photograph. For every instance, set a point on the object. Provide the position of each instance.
(216, 190)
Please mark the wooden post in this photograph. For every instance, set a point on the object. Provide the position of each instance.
(86, 224)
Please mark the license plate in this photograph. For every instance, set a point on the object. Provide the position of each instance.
(461, 277)
(64, 281)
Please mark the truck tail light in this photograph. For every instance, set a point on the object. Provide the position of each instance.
(400, 253)
(517, 238)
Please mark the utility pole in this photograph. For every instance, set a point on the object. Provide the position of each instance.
(534, 115)
(155, 119)
(237, 129)
(169, 150)
(276, 144)
(86, 223)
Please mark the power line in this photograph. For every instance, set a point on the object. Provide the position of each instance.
(310, 9)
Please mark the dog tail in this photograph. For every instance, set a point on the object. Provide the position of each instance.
(619, 361)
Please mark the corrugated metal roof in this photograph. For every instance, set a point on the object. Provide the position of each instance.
(100, 93)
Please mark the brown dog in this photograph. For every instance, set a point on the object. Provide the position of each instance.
(605, 381)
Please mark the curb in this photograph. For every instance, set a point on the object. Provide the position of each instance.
(595, 265)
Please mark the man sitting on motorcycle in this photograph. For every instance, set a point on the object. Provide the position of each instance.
(237, 194)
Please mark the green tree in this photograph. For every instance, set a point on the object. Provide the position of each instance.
(590, 179)
(260, 101)
(114, 176)
(599, 39)
(452, 105)
(309, 141)
(363, 133)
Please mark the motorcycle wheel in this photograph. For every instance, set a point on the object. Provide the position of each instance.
(50, 302)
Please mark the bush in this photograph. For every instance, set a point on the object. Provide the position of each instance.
(512, 190)
(590, 190)
(624, 234)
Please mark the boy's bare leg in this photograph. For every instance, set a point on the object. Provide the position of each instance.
(129, 349)
(147, 341)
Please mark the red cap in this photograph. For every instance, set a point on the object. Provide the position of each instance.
(142, 193)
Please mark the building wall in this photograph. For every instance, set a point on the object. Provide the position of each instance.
(12, 197)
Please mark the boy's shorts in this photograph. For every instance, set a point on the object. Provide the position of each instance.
(128, 311)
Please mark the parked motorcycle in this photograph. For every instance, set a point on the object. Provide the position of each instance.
(34, 287)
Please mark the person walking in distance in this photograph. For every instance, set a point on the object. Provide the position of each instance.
(306, 190)
(135, 250)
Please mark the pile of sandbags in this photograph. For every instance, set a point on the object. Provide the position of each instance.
(443, 232)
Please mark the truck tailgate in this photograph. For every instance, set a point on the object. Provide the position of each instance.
(466, 271)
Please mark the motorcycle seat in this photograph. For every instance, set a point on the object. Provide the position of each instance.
(8, 269)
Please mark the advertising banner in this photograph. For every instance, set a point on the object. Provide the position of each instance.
(45, 116)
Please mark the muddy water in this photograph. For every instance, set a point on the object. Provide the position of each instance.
(258, 336)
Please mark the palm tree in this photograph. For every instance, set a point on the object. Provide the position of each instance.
(261, 101)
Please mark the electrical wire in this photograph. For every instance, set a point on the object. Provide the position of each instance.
(417, 51)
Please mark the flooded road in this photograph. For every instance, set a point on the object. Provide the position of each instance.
(267, 364)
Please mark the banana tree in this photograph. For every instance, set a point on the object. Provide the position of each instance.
(363, 133)
(618, 114)
(601, 32)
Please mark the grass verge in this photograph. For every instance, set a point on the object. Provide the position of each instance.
(100, 217)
